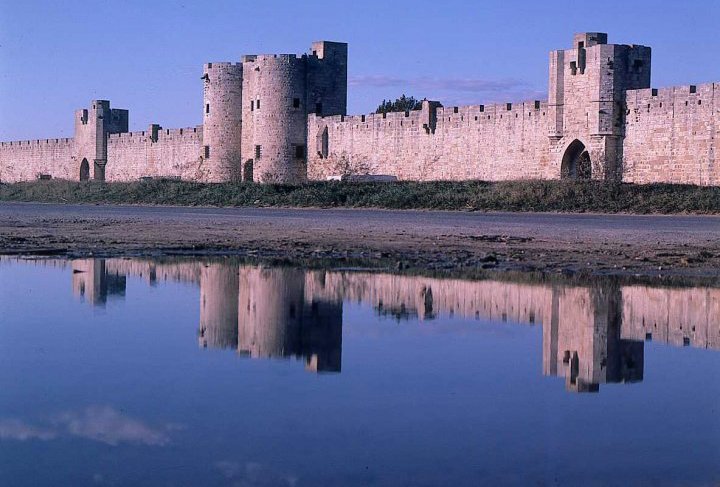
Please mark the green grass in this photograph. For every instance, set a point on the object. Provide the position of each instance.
(548, 196)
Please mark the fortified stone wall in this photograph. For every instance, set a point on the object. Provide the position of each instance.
(282, 118)
(28, 160)
(157, 153)
(493, 142)
(671, 135)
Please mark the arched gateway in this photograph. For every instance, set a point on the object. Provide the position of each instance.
(84, 170)
(576, 163)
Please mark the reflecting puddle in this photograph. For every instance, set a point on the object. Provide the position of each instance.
(424, 380)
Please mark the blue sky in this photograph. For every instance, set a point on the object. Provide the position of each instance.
(147, 56)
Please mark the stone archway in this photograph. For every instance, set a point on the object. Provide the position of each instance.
(84, 170)
(576, 163)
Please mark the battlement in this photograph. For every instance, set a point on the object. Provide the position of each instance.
(36, 142)
(683, 92)
(222, 66)
(162, 134)
(328, 49)
(589, 39)
(467, 113)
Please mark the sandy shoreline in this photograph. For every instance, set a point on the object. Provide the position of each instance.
(426, 240)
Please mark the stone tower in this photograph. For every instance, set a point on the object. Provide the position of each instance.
(279, 91)
(586, 104)
(222, 122)
(92, 127)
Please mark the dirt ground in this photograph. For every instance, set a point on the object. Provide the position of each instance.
(549, 243)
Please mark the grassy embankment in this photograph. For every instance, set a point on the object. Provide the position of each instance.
(550, 196)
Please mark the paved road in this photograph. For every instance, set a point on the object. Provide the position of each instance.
(537, 224)
(426, 238)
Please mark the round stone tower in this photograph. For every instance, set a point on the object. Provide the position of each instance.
(222, 122)
(275, 118)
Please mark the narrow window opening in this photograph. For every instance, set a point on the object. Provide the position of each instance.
(257, 104)
(482, 108)
(573, 68)
(252, 105)
(455, 109)
(207, 109)
(537, 105)
(258, 151)
(654, 92)
(509, 106)
(207, 151)
(693, 89)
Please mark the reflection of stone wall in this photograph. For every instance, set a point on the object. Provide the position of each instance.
(680, 317)
(591, 334)
(425, 297)
(581, 325)
(92, 281)
(153, 272)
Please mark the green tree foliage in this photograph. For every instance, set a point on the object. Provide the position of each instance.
(402, 104)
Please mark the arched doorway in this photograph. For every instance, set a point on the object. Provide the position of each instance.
(84, 170)
(576, 163)
(248, 170)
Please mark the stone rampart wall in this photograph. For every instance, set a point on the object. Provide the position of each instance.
(174, 153)
(671, 135)
(491, 142)
(29, 159)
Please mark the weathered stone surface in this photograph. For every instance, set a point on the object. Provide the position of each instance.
(282, 118)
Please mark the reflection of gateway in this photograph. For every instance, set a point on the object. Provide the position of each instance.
(582, 340)
(591, 334)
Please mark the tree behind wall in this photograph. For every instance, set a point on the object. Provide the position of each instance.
(402, 104)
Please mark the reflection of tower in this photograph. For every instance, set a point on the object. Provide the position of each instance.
(582, 340)
(275, 321)
(91, 281)
(218, 305)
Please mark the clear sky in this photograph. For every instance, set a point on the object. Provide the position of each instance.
(147, 56)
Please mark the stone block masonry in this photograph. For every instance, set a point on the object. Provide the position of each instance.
(282, 118)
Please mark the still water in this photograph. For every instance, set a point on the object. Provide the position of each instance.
(139, 372)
